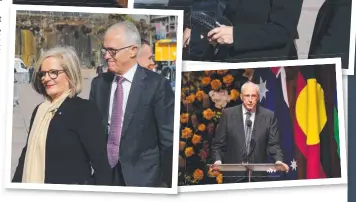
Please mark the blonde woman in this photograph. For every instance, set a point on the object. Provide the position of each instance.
(66, 139)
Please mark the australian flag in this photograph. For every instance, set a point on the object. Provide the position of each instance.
(273, 96)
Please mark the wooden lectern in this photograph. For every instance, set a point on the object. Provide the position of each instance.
(258, 167)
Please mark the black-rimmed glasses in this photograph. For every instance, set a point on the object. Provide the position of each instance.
(53, 73)
(112, 51)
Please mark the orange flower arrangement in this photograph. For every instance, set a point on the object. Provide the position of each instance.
(185, 90)
(187, 133)
(199, 95)
(198, 174)
(181, 145)
(222, 72)
(208, 114)
(234, 94)
(184, 118)
(228, 79)
(202, 127)
(189, 151)
(196, 139)
(219, 178)
(206, 80)
(190, 98)
(216, 84)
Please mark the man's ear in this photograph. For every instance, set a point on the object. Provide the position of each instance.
(134, 52)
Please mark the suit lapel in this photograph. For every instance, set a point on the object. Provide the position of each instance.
(134, 96)
(105, 95)
(239, 126)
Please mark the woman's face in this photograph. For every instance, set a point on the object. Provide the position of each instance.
(53, 77)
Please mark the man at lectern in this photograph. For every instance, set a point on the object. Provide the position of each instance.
(247, 133)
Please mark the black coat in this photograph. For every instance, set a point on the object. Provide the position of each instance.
(75, 144)
(331, 35)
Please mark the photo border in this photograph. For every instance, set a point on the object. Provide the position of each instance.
(352, 43)
(9, 110)
(203, 66)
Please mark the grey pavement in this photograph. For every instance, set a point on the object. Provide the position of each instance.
(28, 100)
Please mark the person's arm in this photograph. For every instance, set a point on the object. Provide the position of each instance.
(219, 141)
(164, 115)
(281, 27)
(334, 40)
(93, 137)
(19, 169)
(273, 146)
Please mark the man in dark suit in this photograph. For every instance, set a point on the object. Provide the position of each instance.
(247, 133)
(137, 105)
(331, 35)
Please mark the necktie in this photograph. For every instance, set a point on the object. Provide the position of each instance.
(115, 125)
(248, 131)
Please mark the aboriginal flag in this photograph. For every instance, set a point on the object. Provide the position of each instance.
(314, 126)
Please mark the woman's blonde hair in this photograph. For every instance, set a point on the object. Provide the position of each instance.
(69, 60)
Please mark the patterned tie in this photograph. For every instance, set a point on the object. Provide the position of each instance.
(247, 131)
(115, 125)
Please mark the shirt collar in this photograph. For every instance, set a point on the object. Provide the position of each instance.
(244, 110)
(129, 75)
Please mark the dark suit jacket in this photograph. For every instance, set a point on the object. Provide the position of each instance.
(75, 143)
(263, 30)
(331, 35)
(146, 145)
(229, 143)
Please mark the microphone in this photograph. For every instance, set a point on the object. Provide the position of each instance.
(248, 123)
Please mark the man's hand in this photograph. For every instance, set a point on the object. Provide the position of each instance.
(186, 37)
(214, 169)
(221, 35)
(286, 167)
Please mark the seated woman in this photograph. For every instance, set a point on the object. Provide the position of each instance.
(66, 143)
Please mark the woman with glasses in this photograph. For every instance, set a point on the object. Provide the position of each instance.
(67, 142)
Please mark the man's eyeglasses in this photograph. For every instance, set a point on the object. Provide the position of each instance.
(53, 73)
(253, 96)
(112, 51)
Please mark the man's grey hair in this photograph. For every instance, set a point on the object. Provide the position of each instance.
(250, 83)
(132, 34)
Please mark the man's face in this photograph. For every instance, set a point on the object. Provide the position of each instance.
(145, 58)
(250, 97)
(118, 52)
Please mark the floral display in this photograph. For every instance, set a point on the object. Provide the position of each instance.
(204, 95)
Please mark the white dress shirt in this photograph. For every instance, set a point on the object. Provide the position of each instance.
(252, 117)
(126, 84)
